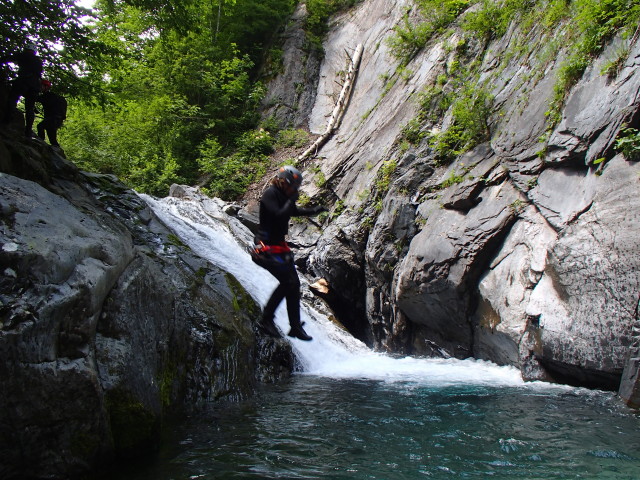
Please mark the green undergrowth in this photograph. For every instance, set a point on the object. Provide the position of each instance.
(410, 37)
(628, 143)
(590, 24)
(488, 19)
(470, 126)
(229, 175)
(492, 19)
(469, 104)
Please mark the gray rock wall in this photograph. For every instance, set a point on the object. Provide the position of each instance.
(290, 97)
(522, 251)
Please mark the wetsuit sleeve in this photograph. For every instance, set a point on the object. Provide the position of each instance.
(271, 203)
(307, 212)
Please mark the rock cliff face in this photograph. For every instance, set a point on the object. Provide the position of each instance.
(107, 323)
(524, 250)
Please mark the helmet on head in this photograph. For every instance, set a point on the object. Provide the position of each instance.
(291, 175)
(46, 84)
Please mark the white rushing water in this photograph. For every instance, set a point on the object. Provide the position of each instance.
(223, 240)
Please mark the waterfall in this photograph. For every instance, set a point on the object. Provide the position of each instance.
(201, 223)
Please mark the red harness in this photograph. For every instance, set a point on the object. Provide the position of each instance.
(277, 249)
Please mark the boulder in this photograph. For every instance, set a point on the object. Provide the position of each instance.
(434, 281)
(586, 299)
(108, 324)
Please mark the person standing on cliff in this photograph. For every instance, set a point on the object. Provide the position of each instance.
(277, 206)
(54, 110)
(26, 85)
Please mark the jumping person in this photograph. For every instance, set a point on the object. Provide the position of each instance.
(277, 206)
(26, 85)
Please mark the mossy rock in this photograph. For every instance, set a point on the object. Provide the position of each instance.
(135, 428)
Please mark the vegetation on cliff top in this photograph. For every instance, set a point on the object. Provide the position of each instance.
(181, 96)
(584, 27)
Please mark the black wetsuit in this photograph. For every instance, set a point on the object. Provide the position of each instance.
(54, 108)
(276, 209)
(26, 85)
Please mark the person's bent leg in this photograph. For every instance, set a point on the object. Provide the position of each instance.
(266, 323)
(52, 133)
(29, 114)
(41, 129)
(293, 306)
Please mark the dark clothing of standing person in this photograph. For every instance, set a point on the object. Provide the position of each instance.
(26, 85)
(277, 206)
(54, 110)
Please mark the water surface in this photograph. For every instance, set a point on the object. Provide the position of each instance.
(322, 428)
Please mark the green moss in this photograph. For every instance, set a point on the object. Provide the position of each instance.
(492, 19)
(517, 206)
(452, 180)
(133, 425)
(470, 126)
(242, 301)
(592, 24)
(412, 132)
(175, 240)
(197, 281)
(304, 200)
(410, 38)
(292, 138)
(579, 28)
(166, 381)
(383, 181)
(319, 179)
(628, 143)
(84, 444)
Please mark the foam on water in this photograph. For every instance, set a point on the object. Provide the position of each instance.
(202, 225)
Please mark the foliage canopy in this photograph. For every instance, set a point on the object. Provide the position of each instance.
(181, 93)
(160, 91)
(62, 33)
